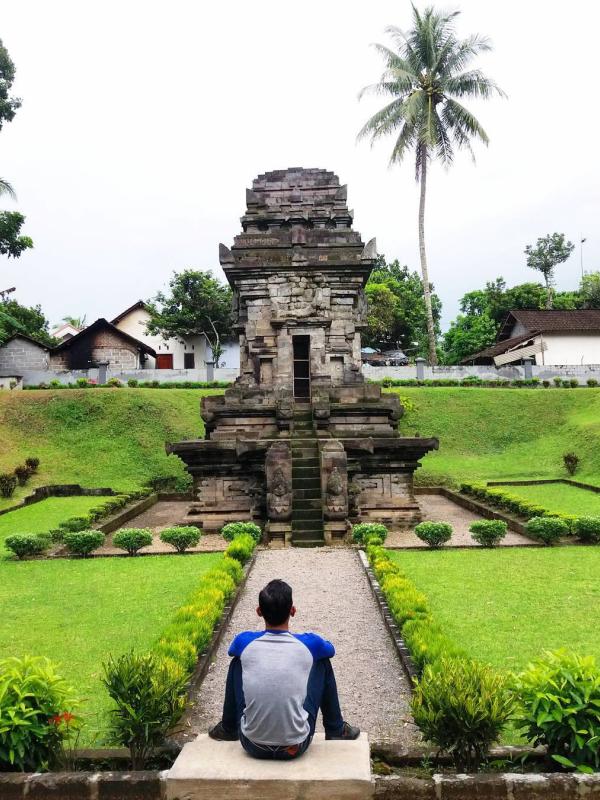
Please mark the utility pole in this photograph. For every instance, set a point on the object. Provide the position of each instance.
(581, 241)
(5, 292)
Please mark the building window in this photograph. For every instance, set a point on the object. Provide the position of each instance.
(188, 361)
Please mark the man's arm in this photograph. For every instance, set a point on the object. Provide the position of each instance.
(319, 647)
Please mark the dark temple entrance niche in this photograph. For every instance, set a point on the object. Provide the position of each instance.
(301, 346)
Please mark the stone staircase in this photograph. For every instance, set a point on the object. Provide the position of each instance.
(307, 504)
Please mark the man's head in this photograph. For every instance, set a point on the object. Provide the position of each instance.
(275, 603)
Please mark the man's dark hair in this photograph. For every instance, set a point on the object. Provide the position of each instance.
(275, 602)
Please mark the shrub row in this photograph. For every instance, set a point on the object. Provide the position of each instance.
(115, 383)
(462, 706)
(493, 383)
(18, 477)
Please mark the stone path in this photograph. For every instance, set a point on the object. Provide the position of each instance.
(333, 599)
(438, 508)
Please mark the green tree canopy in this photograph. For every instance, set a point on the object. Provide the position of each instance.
(426, 79)
(8, 103)
(590, 290)
(548, 252)
(197, 304)
(12, 244)
(467, 335)
(31, 321)
(398, 317)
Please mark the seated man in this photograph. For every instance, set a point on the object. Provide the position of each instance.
(276, 684)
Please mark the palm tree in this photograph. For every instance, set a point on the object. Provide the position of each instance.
(75, 322)
(425, 72)
(6, 188)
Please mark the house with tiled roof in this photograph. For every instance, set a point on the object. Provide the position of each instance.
(551, 337)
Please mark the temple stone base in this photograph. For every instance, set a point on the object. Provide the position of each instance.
(209, 770)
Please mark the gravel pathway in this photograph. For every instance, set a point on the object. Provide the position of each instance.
(438, 508)
(333, 599)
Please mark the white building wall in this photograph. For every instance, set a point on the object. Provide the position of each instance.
(569, 349)
(135, 325)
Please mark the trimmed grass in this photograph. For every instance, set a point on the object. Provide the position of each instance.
(559, 498)
(45, 515)
(507, 606)
(77, 612)
(488, 434)
(97, 437)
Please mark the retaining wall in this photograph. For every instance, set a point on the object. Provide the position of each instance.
(486, 373)
(33, 377)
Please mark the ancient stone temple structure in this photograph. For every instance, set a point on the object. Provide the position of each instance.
(301, 443)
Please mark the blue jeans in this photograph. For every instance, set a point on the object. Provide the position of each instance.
(321, 693)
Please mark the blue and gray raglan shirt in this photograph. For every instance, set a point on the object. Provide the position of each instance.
(276, 667)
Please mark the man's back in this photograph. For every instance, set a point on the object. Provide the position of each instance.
(276, 669)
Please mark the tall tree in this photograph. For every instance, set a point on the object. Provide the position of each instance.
(427, 75)
(590, 289)
(407, 323)
(8, 103)
(548, 252)
(12, 243)
(197, 305)
(15, 318)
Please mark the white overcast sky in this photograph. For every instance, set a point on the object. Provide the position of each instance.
(143, 122)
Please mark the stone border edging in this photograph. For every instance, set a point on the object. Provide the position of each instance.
(111, 524)
(495, 786)
(147, 784)
(401, 649)
(568, 481)
(477, 507)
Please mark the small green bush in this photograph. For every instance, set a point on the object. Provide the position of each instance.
(461, 706)
(8, 484)
(587, 529)
(181, 538)
(22, 474)
(574, 383)
(435, 534)
(114, 382)
(559, 707)
(132, 383)
(546, 384)
(557, 381)
(32, 464)
(35, 709)
(149, 698)
(235, 529)
(375, 541)
(132, 539)
(82, 383)
(27, 544)
(80, 523)
(362, 532)
(82, 543)
(488, 532)
(548, 529)
(241, 548)
(592, 383)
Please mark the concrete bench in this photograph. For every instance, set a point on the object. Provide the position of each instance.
(209, 770)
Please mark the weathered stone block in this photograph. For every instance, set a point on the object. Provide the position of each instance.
(59, 786)
(143, 785)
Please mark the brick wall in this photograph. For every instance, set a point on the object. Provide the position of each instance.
(20, 355)
(105, 346)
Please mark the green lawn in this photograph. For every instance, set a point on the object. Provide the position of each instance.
(559, 498)
(78, 612)
(488, 434)
(507, 606)
(97, 437)
(45, 515)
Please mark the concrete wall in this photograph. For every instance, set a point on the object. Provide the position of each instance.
(571, 349)
(9, 382)
(20, 354)
(135, 325)
(508, 372)
(35, 377)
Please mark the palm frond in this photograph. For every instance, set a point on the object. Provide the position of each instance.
(384, 121)
(7, 189)
(471, 84)
(463, 124)
(463, 52)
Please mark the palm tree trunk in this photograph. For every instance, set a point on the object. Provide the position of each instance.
(549, 297)
(424, 270)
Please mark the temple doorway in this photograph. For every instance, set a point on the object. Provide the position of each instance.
(301, 345)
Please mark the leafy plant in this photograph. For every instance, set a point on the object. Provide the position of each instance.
(82, 383)
(592, 383)
(27, 544)
(362, 532)
(132, 539)
(234, 529)
(35, 704)
(571, 462)
(79, 523)
(461, 706)
(587, 529)
(548, 529)
(488, 532)
(559, 707)
(8, 484)
(574, 383)
(114, 382)
(435, 534)
(149, 697)
(181, 538)
(22, 474)
(241, 548)
(82, 543)
(132, 383)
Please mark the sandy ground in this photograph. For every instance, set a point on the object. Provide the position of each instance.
(437, 508)
(333, 599)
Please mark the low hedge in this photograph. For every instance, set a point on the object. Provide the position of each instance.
(364, 532)
(499, 498)
(28, 544)
(233, 529)
(493, 383)
(83, 383)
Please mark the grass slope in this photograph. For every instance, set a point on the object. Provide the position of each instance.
(507, 606)
(97, 437)
(506, 433)
(559, 498)
(77, 612)
(45, 515)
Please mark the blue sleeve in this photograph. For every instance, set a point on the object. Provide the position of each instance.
(242, 640)
(320, 648)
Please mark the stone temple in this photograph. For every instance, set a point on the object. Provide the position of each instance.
(301, 443)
